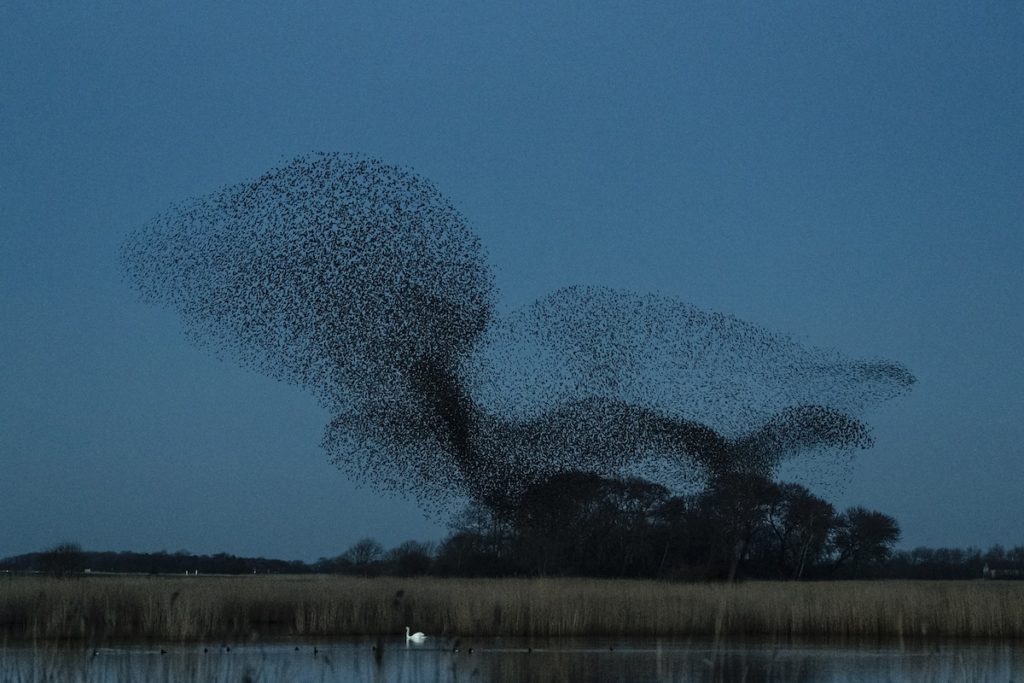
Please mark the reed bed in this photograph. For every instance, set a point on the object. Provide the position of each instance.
(249, 608)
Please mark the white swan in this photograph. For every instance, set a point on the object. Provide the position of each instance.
(417, 637)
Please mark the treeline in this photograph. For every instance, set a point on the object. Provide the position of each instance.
(956, 563)
(742, 526)
(739, 527)
(578, 524)
(68, 559)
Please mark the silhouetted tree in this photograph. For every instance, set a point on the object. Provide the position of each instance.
(586, 524)
(62, 560)
(733, 511)
(411, 558)
(555, 523)
(680, 539)
(863, 540)
(470, 553)
(800, 523)
(365, 556)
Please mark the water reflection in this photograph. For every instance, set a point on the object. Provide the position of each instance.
(561, 661)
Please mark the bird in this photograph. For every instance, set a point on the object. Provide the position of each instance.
(417, 637)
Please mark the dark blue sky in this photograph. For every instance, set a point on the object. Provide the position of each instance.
(849, 174)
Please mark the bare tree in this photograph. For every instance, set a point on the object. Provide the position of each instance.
(62, 560)
(365, 556)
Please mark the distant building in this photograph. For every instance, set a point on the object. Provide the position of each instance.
(1002, 570)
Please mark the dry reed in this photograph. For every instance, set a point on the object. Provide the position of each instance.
(212, 608)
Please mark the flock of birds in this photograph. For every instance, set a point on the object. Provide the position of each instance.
(361, 282)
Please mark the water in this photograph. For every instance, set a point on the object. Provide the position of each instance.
(574, 661)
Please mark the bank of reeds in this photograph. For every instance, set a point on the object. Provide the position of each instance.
(219, 608)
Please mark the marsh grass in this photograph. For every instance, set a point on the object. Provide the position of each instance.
(252, 608)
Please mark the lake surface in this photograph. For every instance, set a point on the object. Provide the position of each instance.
(575, 661)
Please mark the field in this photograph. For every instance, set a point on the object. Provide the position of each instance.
(257, 607)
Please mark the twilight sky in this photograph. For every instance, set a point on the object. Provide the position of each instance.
(849, 174)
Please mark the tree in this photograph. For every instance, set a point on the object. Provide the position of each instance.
(680, 538)
(863, 540)
(469, 553)
(411, 558)
(554, 523)
(733, 512)
(62, 560)
(586, 524)
(364, 556)
(800, 523)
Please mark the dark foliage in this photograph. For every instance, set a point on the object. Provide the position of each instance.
(157, 563)
(863, 540)
(956, 563)
(789, 535)
(63, 560)
(744, 526)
